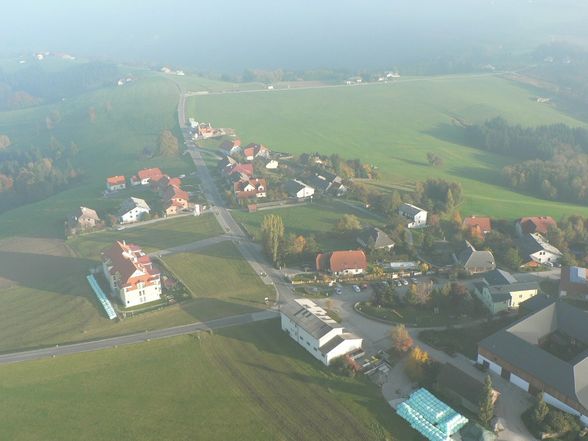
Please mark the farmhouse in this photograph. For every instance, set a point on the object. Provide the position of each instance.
(271, 164)
(253, 151)
(83, 219)
(162, 184)
(250, 188)
(147, 175)
(536, 224)
(477, 226)
(313, 329)
(474, 261)
(230, 147)
(298, 189)
(500, 291)
(237, 169)
(373, 238)
(536, 250)
(130, 274)
(132, 210)
(573, 282)
(417, 216)
(174, 200)
(342, 262)
(115, 183)
(547, 352)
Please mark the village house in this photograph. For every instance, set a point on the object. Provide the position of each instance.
(230, 147)
(238, 170)
(417, 216)
(342, 263)
(546, 351)
(298, 189)
(313, 329)
(326, 182)
(250, 188)
(83, 219)
(472, 260)
(133, 210)
(372, 238)
(146, 176)
(477, 226)
(535, 250)
(115, 183)
(162, 184)
(500, 291)
(130, 274)
(175, 200)
(271, 164)
(574, 282)
(252, 151)
(535, 224)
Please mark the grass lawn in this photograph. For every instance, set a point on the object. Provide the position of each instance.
(394, 126)
(318, 218)
(463, 340)
(412, 316)
(220, 280)
(151, 237)
(247, 383)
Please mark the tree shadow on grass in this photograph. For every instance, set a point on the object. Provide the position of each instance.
(44, 272)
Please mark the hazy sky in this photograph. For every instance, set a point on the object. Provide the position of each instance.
(230, 35)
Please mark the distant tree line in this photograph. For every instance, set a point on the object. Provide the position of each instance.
(34, 85)
(32, 174)
(556, 165)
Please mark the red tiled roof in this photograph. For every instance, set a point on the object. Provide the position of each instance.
(475, 223)
(130, 263)
(246, 169)
(172, 192)
(115, 180)
(150, 173)
(536, 224)
(338, 261)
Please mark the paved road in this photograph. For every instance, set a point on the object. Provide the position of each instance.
(114, 342)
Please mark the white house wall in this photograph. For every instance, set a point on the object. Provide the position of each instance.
(493, 366)
(345, 347)
(303, 338)
(549, 399)
(137, 296)
(519, 382)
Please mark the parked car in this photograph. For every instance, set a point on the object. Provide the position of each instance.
(385, 283)
(338, 291)
(356, 288)
(364, 286)
(414, 280)
(404, 282)
(398, 283)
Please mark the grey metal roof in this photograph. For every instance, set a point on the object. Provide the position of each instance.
(293, 186)
(318, 183)
(534, 242)
(536, 303)
(470, 258)
(499, 277)
(307, 320)
(375, 238)
(518, 344)
(336, 341)
(410, 210)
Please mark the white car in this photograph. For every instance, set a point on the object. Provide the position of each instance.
(404, 282)
(356, 288)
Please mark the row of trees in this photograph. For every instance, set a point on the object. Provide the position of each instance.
(346, 168)
(497, 135)
(28, 175)
(278, 245)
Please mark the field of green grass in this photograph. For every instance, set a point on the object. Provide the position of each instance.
(220, 280)
(152, 237)
(394, 126)
(317, 218)
(247, 383)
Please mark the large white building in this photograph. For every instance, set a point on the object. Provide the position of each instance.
(535, 248)
(132, 210)
(130, 274)
(315, 331)
(417, 216)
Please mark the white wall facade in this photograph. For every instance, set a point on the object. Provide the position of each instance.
(142, 294)
(493, 366)
(562, 406)
(345, 347)
(518, 381)
(133, 215)
(305, 192)
(544, 257)
(303, 338)
(350, 271)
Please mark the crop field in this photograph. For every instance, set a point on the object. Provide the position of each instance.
(317, 218)
(248, 383)
(220, 280)
(393, 126)
(152, 237)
